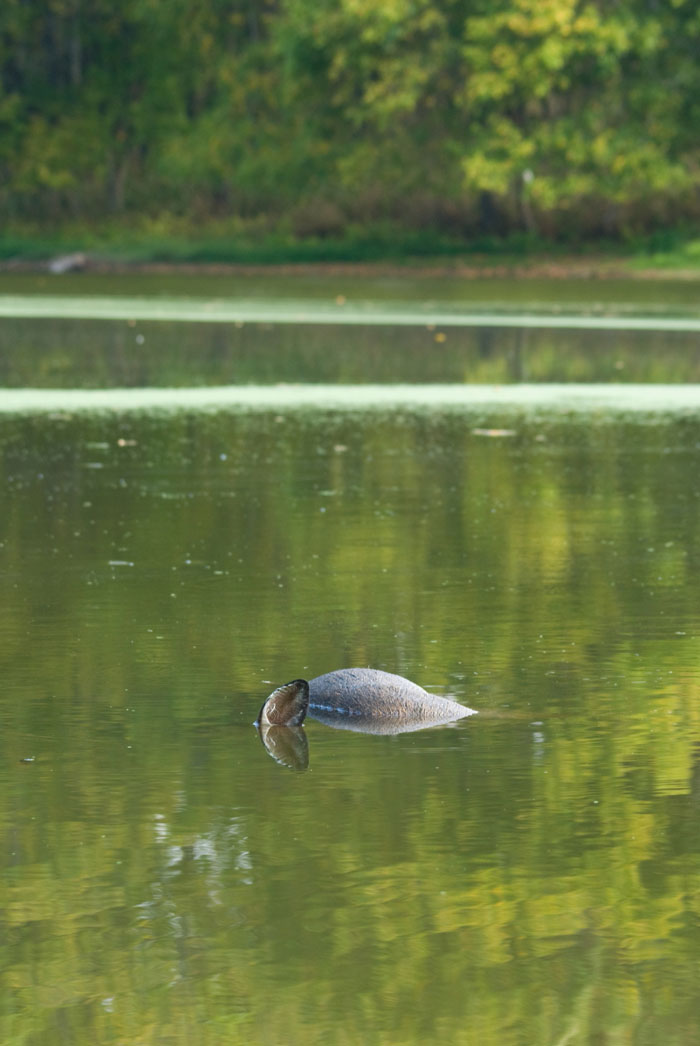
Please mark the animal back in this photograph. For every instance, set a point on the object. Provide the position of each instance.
(371, 694)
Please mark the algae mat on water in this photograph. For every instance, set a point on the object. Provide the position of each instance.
(342, 313)
(554, 397)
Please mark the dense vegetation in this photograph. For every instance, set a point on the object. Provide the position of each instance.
(555, 118)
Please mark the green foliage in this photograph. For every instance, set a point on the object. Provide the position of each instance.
(566, 109)
(548, 116)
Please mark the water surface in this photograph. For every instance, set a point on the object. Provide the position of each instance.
(328, 287)
(61, 353)
(197, 512)
(529, 875)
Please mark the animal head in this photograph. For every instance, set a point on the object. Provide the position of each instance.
(286, 706)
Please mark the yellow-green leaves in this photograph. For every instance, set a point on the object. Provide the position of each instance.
(375, 108)
(560, 107)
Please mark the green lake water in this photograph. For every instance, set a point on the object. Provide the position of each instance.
(528, 876)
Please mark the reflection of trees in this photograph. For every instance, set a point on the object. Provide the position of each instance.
(99, 354)
(520, 879)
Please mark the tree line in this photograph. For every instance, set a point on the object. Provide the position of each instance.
(553, 117)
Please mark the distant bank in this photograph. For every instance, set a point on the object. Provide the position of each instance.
(106, 249)
(540, 267)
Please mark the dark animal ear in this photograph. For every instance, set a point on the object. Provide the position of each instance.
(286, 706)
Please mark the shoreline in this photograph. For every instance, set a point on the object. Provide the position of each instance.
(537, 268)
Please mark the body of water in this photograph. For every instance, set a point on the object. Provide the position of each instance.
(529, 875)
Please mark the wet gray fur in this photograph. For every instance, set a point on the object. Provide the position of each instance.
(370, 694)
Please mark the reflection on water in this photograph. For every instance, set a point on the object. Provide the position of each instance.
(92, 354)
(327, 284)
(288, 745)
(530, 875)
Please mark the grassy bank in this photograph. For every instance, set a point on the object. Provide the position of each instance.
(116, 247)
(239, 243)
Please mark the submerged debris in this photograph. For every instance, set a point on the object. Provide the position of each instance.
(68, 263)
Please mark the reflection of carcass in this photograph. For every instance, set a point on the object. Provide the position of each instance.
(288, 745)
